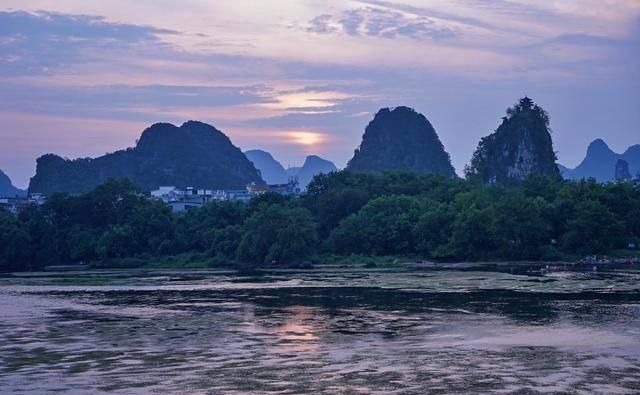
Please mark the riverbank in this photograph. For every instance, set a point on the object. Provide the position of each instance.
(196, 261)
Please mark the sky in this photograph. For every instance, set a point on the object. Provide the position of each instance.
(300, 77)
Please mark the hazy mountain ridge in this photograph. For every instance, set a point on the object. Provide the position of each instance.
(600, 162)
(194, 154)
(401, 139)
(274, 173)
(313, 165)
(293, 170)
(7, 189)
(270, 169)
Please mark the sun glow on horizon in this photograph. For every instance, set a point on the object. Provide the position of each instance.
(305, 138)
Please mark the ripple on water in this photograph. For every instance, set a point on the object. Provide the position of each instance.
(373, 333)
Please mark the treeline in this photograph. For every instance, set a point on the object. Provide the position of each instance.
(394, 213)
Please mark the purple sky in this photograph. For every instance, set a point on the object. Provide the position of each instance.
(295, 77)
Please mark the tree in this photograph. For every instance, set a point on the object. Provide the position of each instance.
(591, 229)
(632, 222)
(384, 226)
(472, 233)
(14, 244)
(118, 241)
(521, 229)
(433, 229)
(276, 233)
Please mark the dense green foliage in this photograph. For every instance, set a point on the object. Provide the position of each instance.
(192, 154)
(342, 214)
(401, 139)
(521, 146)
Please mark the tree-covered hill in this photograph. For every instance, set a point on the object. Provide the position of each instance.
(521, 146)
(401, 139)
(194, 154)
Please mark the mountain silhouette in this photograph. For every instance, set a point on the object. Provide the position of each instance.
(7, 189)
(600, 162)
(313, 165)
(270, 169)
(401, 139)
(521, 146)
(194, 154)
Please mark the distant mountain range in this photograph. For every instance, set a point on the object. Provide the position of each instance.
(194, 154)
(198, 154)
(273, 172)
(313, 165)
(600, 162)
(7, 189)
(270, 169)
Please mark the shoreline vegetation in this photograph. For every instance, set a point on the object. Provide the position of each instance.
(344, 219)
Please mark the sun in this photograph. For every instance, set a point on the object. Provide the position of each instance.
(305, 138)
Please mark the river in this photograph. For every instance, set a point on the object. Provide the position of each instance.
(323, 331)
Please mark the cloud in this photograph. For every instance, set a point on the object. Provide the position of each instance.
(351, 21)
(321, 24)
(585, 39)
(38, 43)
(122, 101)
(427, 12)
(380, 22)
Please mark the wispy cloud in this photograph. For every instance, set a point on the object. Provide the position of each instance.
(41, 42)
(378, 22)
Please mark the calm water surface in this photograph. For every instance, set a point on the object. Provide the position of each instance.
(320, 332)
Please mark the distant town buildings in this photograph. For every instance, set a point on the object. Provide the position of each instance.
(181, 199)
(16, 204)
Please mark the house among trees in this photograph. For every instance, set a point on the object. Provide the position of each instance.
(16, 204)
(181, 199)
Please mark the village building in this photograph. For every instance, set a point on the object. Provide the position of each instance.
(182, 199)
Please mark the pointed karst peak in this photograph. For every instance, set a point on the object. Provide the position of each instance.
(521, 146)
(314, 159)
(313, 165)
(401, 139)
(598, 146)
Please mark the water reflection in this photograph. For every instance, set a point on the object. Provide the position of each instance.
(333, 332)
